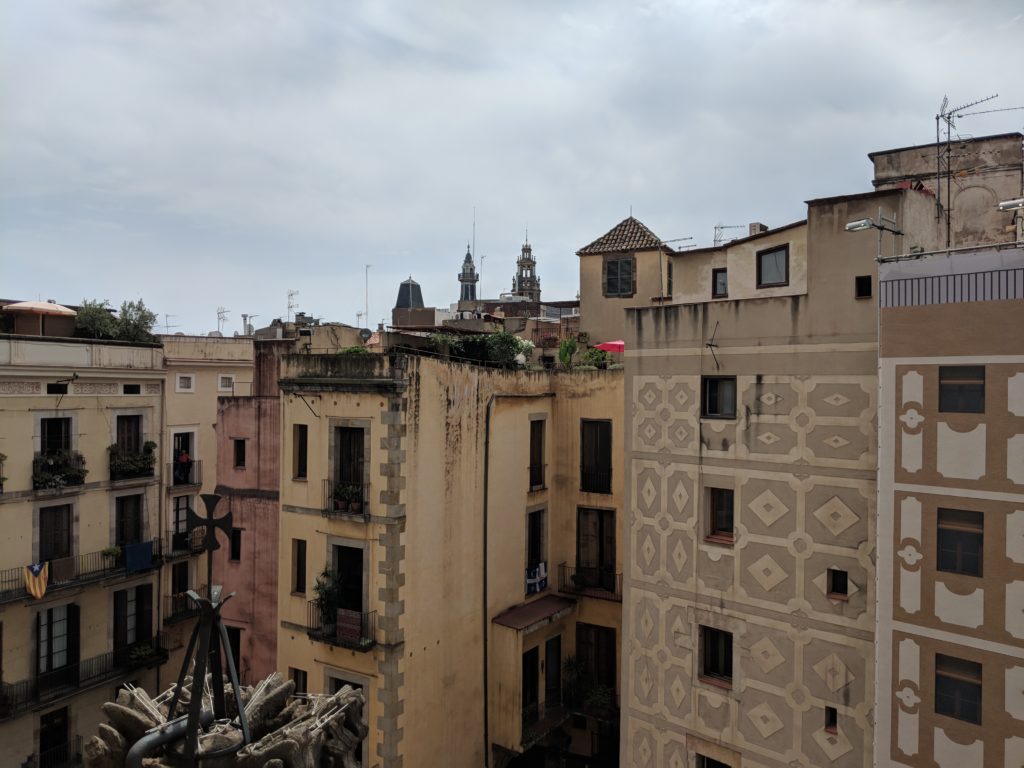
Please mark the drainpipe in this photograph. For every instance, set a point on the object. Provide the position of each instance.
(484, 618)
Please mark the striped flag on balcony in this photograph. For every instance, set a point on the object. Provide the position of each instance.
(36, 577)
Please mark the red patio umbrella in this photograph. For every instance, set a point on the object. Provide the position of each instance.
(612, 346)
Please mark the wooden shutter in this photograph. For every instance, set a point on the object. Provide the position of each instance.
(144, 609)
(607, 539)
(121, 618)
(74, 635)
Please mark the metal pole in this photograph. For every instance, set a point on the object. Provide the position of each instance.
(367, 305)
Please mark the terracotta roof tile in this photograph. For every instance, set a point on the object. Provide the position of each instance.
(627, 235)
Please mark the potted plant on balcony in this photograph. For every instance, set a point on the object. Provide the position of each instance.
(348, 497)
(111, 555)
(328, 594)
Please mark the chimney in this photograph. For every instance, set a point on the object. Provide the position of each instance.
(756, 228)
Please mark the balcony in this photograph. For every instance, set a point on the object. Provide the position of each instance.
(56, 470)
(82, 569)
(346, 500)
(596, 479)
(185, 473)
(602, 583)
(126, 464)
(536, 477)
(63, 756)
(57, 684)
(180, 607)
(177, 545)
(337, 626)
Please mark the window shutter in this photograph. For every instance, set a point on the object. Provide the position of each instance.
(144, 606)
(627, 270)
(41, 665)
(121, 618)
(73, 634)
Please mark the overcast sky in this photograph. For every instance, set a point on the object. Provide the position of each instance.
(204, 154)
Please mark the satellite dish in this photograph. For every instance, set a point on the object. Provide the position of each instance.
(365, 334)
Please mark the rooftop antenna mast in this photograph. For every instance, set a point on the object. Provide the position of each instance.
(292, 304)
(944, 156)
(222, 317)
(167, 325)
(720, 232)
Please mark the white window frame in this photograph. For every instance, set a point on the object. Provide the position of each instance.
(220, 379)
(177, 382)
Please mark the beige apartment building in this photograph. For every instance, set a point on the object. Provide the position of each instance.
(81, 426)
(463, 523)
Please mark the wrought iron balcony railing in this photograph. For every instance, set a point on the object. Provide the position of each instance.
(536, 476)
(128, 463)
(345, 499)
(178, 544)
(591, 582)
(76, 570)
(55, 470)
(56, 684)
(596, 479)
(185, 472)
(180, 606)
(61, 756)
(337, 626)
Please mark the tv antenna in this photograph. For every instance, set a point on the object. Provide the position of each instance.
(711, 345)
(292, 304)
(720, 232)
(359, 318)
(222, 317)
(168, 326)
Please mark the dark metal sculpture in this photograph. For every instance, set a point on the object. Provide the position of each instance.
(211, 637)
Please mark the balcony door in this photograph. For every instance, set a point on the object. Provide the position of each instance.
(595, 647)
(595, 547)
(129, 434)
(55, 435)
(531, 666)
(57, 640)
(553, 672)
(54, 532)
(54, 739)
(349, 446)
(128, 520)
(347, 564)
(595, 456)
(133, 609)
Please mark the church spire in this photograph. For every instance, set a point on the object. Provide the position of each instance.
(468, 277)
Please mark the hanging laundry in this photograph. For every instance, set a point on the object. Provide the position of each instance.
(36, 577)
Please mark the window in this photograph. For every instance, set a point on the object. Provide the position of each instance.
(838, 584)
(719, 283)
(349, 468)
(299, 434)
(862, 287)
(225, 383)
(718, 397)
(239, 454)
(129, 433)
(720, 521)
(618, 276)
(669, 270)
(179, 531)
(299, 565)
(773, 267)
(60, 388)
(55, 532)
(55, 435)
(236, 544)
(536, 454)
(300, 678)
(180, 581)
(595, 651)
(185, 382)
(709, 762)
(131, 389)
(962, 389)
(595, 456)
(133, 609)
(958, 688)
(57, 642)
(531, 685)
(535, 539)
(595, 549)
(716, 654)
(128, 519)
(960, 540)
(831, 720)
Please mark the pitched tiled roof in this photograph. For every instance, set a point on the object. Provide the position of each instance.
(628, 235)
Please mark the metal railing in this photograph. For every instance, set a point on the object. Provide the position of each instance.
(183, 543)
(536, 476)
(336, 626)
(180, 606)
(995, 285)
(593, 582)
(185, 472)
(53, 470)
(595, 479)
(345, 499)
(64, 681)
(128, 464)
(78, 569)
(62, 756)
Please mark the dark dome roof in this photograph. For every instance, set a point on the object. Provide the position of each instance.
(409, 295)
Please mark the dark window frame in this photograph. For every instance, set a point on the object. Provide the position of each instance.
(715, 293)
(536, 470)
(236, 545)
(768, 252)
(860, 283)
(716, 656)
(55, 434)
(706, 383)
(239, 452)
(960, 541)
(300, 451)
(596, 456)
(721, 515)
(536, 538)
(838, 582)
(831, 720)
(617, 291)
(958, 688)
(301, 679)
(959, 389)
(56, 536)
(299, 566)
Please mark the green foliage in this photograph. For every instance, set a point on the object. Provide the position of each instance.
(135, 322)
(600, 698)
(94, 320)
(566, 351)
(498, 348)
(356, 351)
(502, 347)
(125, 464)
(596, 357)
(112, 552)
(447, 344)
(56, 470)
(328, 592)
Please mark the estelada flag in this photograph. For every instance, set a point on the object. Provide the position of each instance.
(36, 577)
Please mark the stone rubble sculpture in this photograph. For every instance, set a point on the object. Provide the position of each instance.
(288, 731)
